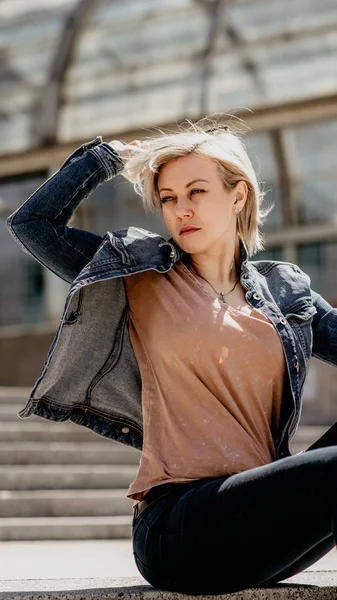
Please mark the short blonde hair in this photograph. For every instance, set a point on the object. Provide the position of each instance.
(217, 142)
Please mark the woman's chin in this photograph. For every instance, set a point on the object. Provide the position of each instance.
(190, 248)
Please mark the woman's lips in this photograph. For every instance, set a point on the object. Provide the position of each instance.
(188, 231)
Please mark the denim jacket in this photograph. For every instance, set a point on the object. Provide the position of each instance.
(90, 375)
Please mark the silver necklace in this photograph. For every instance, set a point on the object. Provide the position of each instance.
(220, 295)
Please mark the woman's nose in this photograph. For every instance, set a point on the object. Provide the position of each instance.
(183, 210)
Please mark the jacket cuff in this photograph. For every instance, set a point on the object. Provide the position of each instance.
(109, 159)
(81, 150)
(107, 156)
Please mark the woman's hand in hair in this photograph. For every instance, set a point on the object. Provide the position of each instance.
(125, 151)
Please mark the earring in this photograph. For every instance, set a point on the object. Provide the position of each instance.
(237, 210)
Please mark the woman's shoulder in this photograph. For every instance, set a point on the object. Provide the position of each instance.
(284, 275)
(139, 244)
(264, 266)
(132, 233)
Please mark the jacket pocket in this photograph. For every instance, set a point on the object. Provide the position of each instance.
(112, 359)
(74, 310)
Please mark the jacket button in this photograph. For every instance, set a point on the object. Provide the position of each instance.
(256, 296)
(283, 320)
(125, 430)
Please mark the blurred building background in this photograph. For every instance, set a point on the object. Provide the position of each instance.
(72, 69)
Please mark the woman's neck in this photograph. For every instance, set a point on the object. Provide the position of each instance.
(221, 271)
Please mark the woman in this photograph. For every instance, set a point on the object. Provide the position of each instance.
(193, 353)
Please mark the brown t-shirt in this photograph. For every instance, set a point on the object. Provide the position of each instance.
(212, 380)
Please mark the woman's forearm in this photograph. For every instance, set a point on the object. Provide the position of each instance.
(40, 224)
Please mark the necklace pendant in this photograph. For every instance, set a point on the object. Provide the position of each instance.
(222, 297)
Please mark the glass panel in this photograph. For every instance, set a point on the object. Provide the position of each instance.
(29, 36)
(318, 200)
(33, 291)
(115, 205)
(316, 165)
(319, 261)
(147, 62)
(262, 18)
(316, 145)
(22, 289)
(262, 156)
(276, 253)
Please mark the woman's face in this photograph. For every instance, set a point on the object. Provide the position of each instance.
(193, 196)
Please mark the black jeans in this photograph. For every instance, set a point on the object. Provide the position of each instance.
(255, 528)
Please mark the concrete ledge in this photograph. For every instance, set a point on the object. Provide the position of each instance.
(23, 350)
(306, 586)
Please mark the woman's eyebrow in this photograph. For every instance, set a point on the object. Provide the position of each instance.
(186, 186)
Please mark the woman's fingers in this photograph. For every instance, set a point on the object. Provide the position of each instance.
(117, 144)
(126, 150)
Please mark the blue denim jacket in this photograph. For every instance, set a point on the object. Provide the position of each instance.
(91, 375)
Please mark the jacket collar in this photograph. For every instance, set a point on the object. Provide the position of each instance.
(135, 247)
(181, 253)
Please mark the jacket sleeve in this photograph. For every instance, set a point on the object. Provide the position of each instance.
(324, 330)
(39, 225)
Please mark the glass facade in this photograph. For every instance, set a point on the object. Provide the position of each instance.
(115, 205)
(312, 173)
(319, 261)
(315, 171)
(22, 289)
(140, 63)
(261, 154)
(276, 253)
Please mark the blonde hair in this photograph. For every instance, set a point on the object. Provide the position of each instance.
(217, 142)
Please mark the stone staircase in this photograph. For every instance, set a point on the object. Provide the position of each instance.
(60, 481)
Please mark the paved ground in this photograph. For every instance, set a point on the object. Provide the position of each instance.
(63, 559)
(84, 559)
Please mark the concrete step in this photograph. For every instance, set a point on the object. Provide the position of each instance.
(14, 394)
(299, 447)
(39, 429)
(45, 430)
(64, 503)
(305, 436)
(48, 477)
(296, 448)
(65, 528)
(93, 452)
(62, 453)
(309, 433)
(9, 412)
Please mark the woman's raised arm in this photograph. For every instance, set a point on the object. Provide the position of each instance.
(40, 224)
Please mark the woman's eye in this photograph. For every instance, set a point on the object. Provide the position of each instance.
(169, 198)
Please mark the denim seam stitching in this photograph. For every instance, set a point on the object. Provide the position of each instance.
(77, 190)
(61, 237)
(100, 158)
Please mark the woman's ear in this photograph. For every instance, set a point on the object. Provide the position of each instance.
(241, 193)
